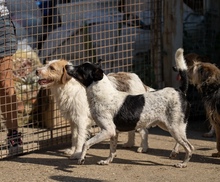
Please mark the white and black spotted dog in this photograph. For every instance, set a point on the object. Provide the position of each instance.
(117, 111)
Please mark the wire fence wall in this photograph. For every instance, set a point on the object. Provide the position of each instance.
(120, 32)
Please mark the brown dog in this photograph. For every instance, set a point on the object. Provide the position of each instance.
(206, 77)
(190, 59)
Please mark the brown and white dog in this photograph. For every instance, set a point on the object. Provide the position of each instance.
(206, 77)
(72, 101)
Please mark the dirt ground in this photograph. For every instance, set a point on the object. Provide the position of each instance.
(51, 165)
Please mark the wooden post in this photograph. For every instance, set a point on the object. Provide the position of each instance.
(172, 38)
(156, 43)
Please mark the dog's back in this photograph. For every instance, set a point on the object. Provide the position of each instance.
(128, 82)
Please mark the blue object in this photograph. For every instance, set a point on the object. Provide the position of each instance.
(45, 7)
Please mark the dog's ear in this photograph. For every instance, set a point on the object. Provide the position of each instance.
(99, 63)
(65, 77)
(97, 74)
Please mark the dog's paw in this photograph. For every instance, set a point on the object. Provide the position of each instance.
(180, 165)
(75, 156)
(69, 151)
(208, 135)
(81, 161)
(142, 150)
(103, 162)
(216, 154)
(173, 154)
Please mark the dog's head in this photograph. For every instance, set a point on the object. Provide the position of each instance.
(192, 59)
(86, 73)
(202, 72)
(53, 73)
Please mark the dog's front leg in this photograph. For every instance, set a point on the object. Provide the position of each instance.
(81, 139)
(112, 155)
(74, 134)
(101, 136)
(217, 132)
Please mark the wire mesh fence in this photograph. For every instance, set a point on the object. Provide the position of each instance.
(118, 32)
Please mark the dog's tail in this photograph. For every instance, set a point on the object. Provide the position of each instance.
(181, 67)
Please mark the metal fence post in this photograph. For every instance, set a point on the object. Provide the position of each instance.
(172, 37)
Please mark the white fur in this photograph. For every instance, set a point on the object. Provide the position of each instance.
(180, 61)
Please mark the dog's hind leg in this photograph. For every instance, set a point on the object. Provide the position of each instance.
(217, 132)
(180, 137)
(175, 151)
(131, 139)
(112, 155)
(74, 134)
(104, 134)
(144, 140)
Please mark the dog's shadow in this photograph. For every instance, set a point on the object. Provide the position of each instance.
(93, 159)
(59, 162)
(57, 159)
(147, 161)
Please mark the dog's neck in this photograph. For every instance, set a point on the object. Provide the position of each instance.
(59, 88)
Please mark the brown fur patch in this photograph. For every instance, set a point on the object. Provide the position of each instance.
(204, 73)
(59, 67)
(192, 57)
(122, 81)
